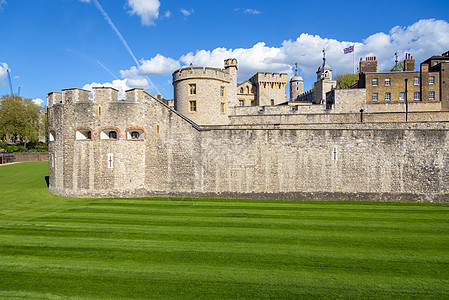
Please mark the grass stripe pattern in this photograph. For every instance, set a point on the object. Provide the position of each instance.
(54, 247)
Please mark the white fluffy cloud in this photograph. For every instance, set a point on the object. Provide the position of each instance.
(2, 4)
(158, 65)
(251, 60)
(422, 39)
(147, 10)
(38, 101)
(3, 73)
(120, 84)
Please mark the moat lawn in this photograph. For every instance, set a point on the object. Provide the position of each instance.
(53, 247)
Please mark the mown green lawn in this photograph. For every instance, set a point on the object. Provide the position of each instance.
(54, 247)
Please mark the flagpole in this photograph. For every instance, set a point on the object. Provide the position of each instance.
(353, 59)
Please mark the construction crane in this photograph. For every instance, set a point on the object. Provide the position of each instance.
(10, 83)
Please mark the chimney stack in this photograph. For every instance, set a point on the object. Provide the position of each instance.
(409, 62)
(368, 65)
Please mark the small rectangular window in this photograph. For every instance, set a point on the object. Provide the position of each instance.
(416, 81)
(253, 103)
(241, 102)
(192, 89)
(374, 81)
(375, 97)
(222, 108)
(192, 105)
(416, 96)
(272, 101)
(222, 91)
(431, 80)
(402, 96)
(431, 95)
(387, 96)
(387, 81)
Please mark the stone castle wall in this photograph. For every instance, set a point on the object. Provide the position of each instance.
(327, 160)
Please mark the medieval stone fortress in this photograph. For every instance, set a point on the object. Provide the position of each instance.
(386, 138)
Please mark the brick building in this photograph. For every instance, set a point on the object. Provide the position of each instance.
(429, 84)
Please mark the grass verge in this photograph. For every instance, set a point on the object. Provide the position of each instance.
(55, 247)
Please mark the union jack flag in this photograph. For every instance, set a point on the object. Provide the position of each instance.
(349, 49)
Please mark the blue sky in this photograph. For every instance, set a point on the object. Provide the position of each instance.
(50, 45)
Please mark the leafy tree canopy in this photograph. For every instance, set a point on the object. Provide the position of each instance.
(345, 81)
(20, 119)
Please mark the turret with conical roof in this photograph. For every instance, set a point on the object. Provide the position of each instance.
(296, 85)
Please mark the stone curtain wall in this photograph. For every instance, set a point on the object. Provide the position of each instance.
(384, 161)
(374, 164)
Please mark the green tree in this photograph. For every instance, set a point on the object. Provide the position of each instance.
(20, 120)
(346, 81)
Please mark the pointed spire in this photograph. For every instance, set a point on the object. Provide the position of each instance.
(324, 56)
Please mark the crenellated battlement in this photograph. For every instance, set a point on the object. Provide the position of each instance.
(200, 72)
(99, 95)
(269, 77)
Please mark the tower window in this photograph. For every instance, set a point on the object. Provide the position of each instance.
(431, 80)
(416, 96)
(192, 105)
(222, 91)
(241, 102)
(387, 96)
(374, 97)
(83, 134)
(431, 95)
(192, 89)
(112, 135)
(222, 108)
(402, 96)
(109, 134)
(374, 82)
(272, 101)
(52, 136)
(387, 81)
(416, 81)
(241, 90)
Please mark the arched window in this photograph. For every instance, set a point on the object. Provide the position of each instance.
(52, 136)
(135, 134)
(241, 90)
(110, 133)
(83, 134)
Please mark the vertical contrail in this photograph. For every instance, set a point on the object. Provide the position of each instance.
(122, 39)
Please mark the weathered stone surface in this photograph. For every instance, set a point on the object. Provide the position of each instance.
(282, 160)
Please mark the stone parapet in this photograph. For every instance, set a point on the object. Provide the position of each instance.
(203, 73)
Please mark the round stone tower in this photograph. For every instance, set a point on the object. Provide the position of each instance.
(296, 85)
(204, 94)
